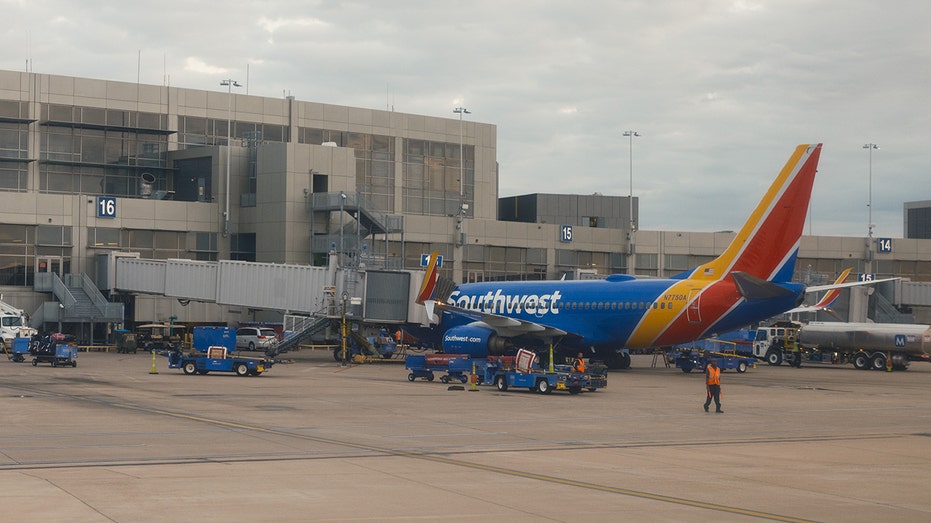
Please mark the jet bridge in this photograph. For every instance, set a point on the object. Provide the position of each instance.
(377, 296)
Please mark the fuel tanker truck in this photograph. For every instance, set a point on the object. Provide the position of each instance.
(865, 345)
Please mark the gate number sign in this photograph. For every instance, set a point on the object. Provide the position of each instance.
(106, 207)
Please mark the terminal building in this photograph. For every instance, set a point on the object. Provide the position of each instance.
(91, 170)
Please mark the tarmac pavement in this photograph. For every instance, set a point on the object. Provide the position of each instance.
(316, 441)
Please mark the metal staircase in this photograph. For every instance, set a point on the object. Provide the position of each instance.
(299, 332)
(78, 301)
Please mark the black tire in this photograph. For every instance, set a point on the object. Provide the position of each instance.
(575, 390)
(502, 383)
(774, 357)
(444, 379)
(35, 362)
(861, 361)
(74, 364)
(616, 360)
(251, 346)
(543, 386)
(189, 368)
(878, 361)
(242, 369)
(410, 377)
(742, 366)
(430, 377)
(686, 369)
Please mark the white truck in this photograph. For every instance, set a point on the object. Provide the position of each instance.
(13, 323)
(866, 345)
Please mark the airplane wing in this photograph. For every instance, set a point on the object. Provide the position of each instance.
(816, 288)
(502, 325)
(824, 304)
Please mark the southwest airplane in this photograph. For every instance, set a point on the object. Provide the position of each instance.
(748, 283)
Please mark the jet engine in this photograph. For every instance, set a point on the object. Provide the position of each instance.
(477, 342)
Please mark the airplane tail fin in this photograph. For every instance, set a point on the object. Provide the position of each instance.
(767, 245)
(828, 299)
(429, 280)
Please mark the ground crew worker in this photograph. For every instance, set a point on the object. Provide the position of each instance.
(796, 352)
(579, 365)
(713, 385)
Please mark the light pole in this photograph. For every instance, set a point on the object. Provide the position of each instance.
(342, 202)
(630, 203)
(869, 205)
(461, 212)
(229, 84)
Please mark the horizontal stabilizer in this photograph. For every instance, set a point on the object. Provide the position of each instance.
(752, 287)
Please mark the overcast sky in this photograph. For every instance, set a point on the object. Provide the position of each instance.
(720, 90)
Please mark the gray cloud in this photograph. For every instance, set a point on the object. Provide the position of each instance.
(720, 90)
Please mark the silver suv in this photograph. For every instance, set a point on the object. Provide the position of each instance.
(255, 338)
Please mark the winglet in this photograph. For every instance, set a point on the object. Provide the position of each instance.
(429, 279)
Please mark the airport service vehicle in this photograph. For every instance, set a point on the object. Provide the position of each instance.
(379, 345)
(13, 323)
(214, 351)
(451, 367)
(20, 349)
(505, 372)
(525, 372)
(875, 346)
(256, 338)
(55, 349)
(217, 359)
(690, 359)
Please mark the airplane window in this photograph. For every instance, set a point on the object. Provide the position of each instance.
(601, 305)
(662, 305)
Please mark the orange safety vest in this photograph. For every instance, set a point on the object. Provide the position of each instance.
(579, 365)
(713, 376)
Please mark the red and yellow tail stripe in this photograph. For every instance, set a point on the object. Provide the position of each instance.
(832, 294)
(429, 279)
(764, 247)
